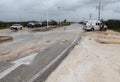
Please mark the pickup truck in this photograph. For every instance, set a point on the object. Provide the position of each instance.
(16, 27)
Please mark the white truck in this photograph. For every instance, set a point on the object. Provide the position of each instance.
(16, 27)
(92, 25)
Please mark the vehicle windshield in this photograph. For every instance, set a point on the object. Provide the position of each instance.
(16, 25)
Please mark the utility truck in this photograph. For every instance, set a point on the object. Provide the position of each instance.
(92, 25)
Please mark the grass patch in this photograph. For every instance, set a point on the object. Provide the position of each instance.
(113, 24)
(2, 28)
(115, 29)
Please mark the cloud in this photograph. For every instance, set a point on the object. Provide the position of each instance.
(73, 10)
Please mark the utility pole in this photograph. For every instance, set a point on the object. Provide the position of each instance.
(47, 13)
(90, 16)
(99, 11)
(59, 16)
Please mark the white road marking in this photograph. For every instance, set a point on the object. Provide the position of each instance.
(23, 61)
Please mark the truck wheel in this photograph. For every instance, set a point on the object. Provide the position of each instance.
(92, 29)
(100, 29)
(21, 28)
(105, 29)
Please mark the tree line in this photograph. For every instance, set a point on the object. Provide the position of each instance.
(113, 24)
(44, 23)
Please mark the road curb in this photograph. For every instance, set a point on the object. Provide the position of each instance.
(45, 72)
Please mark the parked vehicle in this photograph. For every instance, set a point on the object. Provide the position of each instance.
(16, 27)
(31, 25)
(34, 25)
(38, 25)
(92, 25)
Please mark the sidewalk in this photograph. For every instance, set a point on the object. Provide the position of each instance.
(89, 61)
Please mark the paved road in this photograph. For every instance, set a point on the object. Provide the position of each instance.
(26, 42)
(49, 44)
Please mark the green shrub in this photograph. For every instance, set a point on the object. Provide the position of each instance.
(113, 24)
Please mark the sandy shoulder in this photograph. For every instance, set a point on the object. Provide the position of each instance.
(89, 61)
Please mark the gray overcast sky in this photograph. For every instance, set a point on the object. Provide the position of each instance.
(72, 10)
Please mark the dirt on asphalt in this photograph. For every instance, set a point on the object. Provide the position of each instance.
(5, 38)
(26, 42)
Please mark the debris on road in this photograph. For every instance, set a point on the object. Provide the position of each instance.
(41, 29)
(27, 42)
(48, 41)
(64, 42)
(108, 41)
